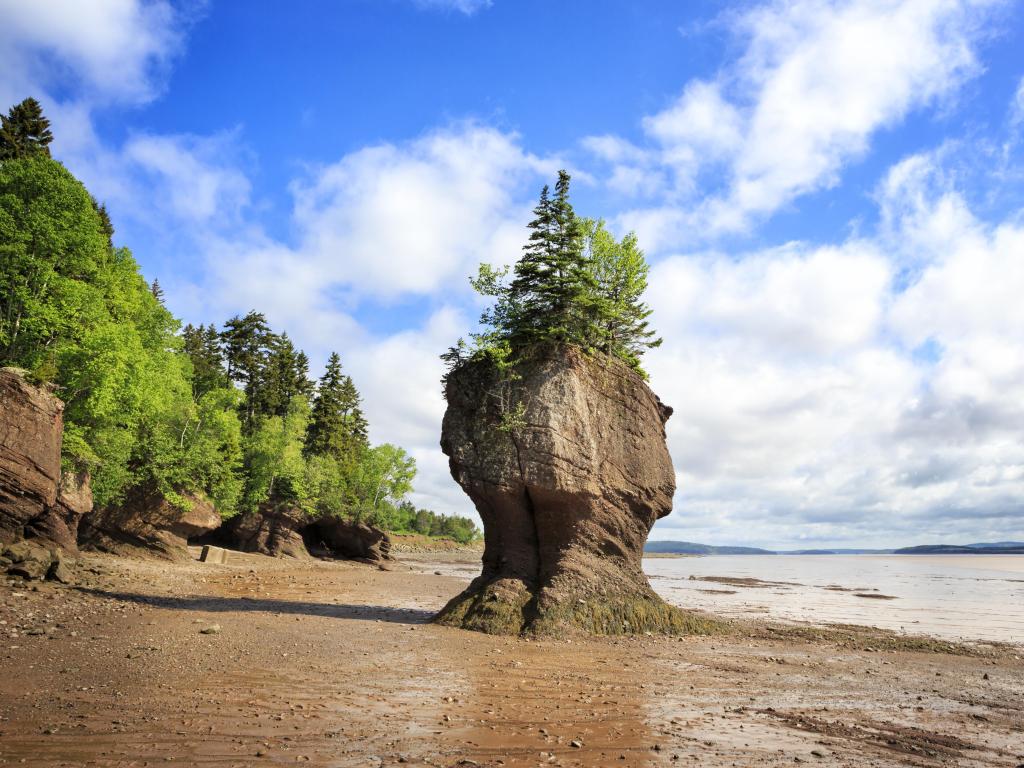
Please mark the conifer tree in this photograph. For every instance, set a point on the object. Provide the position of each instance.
(574, 284)
(24, 131)
(337, 427)
(286, 375)
(245, 341)
(202, 345)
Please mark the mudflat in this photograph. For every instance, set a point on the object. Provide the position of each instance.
(273, 662)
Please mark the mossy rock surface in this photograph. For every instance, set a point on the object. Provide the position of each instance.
(509, 608)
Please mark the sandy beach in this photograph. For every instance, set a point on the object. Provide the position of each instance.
(272, 662)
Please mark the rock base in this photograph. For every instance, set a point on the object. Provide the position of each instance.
(509, 607)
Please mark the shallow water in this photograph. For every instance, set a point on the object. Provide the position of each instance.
(957, 597)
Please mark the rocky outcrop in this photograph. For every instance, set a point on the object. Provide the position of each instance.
(147, 524)
(274, 529)
(37, 502)
(333, 537)
(31, 428)
(567, 465)
(283, 530)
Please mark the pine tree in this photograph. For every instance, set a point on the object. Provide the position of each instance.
(246, 343)
(285, 376)
(24, 131)
(574, 284)
(337, 426)
(157, 291)
(202, 345)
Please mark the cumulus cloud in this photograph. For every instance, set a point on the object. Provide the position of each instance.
(113, 50)
(468, 7)
(393, 219)
(816, 81)
(823, 396)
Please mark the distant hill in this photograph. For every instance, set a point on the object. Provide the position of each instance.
(691, 548)
(1001, 548)
(984, 548)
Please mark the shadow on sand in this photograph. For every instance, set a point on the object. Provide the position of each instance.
(252, 604)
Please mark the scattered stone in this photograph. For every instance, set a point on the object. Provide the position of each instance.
(213, 629)
(576, 743)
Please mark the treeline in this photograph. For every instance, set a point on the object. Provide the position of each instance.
(229, 413)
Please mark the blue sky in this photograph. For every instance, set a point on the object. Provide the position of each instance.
(830, 194)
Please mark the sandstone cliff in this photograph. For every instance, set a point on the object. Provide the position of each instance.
(149, 525)
(281, 530)
(37, 503)
(568, 467)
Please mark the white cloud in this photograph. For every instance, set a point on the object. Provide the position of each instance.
(390, 220)
(112, 49)
(817, 80)
(468, 7)
(821, 398)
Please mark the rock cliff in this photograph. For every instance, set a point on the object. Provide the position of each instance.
(567, 465)
(147, 524)
(37, 502)
(281, 530)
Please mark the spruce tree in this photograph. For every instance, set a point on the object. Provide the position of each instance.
(574, 284)
(202, 345)
(337, 427)
(245, 341)
(285, 376)
(24, 131)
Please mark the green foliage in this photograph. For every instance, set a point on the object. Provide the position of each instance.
(574, 284)
(24, 131)
(225, 414)
(274, 466)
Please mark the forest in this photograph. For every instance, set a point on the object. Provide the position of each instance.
(228, 412)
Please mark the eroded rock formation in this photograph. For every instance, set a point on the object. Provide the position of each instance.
(568, 467)
(147, 524)
(274, 529)
(38, 504)
(282, 530)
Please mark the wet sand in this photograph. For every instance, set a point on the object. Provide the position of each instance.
(334, 664)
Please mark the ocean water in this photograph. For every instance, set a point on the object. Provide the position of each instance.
(957, 597)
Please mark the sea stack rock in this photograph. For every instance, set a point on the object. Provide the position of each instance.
(567, 465)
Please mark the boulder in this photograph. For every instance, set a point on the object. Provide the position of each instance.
(334, 537)
(31, 428)
(31, 560)
(567, 465)
(147, 524)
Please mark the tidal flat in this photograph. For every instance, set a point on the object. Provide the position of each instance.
(274, 662)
